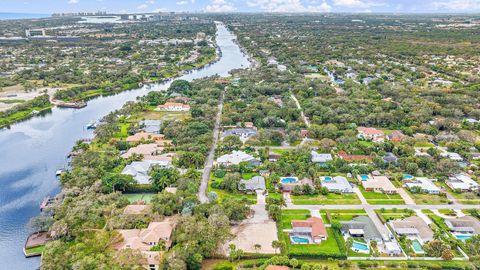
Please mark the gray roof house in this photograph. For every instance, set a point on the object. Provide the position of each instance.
(243, 133)
(361, 226)
(139, 169)
(337, 184)
(256, 183)
(412, 227)
(320, 158)
(466, 224)
(390, 158)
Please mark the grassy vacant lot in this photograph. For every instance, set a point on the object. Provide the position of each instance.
(380, 198)
(342, 215)
(328, 246)
(422, 198)
(330, 198)
(394, 214)
(133, 197)
(293, 214)
(223, 194)
(464, 197)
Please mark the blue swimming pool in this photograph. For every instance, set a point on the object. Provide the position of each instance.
(407, 176)
(359, 246)
(299, 240)
(463, 237)
(417, 247)
(327, 178)
(364, 177)
(288, 180)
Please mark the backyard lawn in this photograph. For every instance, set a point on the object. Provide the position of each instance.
(331, 198)
(327, 247)
(293, 214)
(380, 198)
(342, 215)
(394, 214)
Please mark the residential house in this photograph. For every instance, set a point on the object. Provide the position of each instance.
(243, 133)
(140, 169)
(373, 134)
(347, 157)
(173, 107)
(145, 136)
(235, 158)
(396, 136)
(321, 158)
(463, 225)
(451, 155)
(377, 183)
(337, 184)
(462, 182)
(390, 158)
(413, 228)
(150, 151)
(420, 184)
(274, 157)
(361, 226)
(277, 267)
(311, 229)
(144, 239)
(252, 185)
(288, 187)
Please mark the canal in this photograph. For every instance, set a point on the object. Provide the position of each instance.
(31, 152)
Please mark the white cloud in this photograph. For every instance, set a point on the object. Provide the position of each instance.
(220, 6)
(184, 2)
(142, 6)
(457, 5)
(73, 1)
(357, 4)
(288, 6)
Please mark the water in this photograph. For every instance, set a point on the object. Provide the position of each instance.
(359, 246)
(299, 240)
(31, 152)
(17, 16)
(417, 247)
(288, 180)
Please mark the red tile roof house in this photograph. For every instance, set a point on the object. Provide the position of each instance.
(396, 136)
(311, 229)
(173, 107)
(372, 134)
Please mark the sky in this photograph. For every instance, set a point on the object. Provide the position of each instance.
(140, 6)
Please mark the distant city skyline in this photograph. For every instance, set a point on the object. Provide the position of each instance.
(141, 6)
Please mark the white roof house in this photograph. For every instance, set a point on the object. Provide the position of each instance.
(235, 158)
(451, 155)
(462, 182)
(320, 158)
(424, 184)
(139, 169)
(337, 184)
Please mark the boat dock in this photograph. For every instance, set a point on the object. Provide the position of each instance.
(35, 244)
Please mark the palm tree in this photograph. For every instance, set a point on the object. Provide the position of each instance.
(257, 247)
(276, 245)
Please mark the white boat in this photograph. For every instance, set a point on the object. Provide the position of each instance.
(58, 172)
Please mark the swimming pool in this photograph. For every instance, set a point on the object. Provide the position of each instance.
(364, 177)
(407, 176)
(327, 178)
(360, 247)
(288, 180)
(417, 247)
(463, 237)
(299, 240)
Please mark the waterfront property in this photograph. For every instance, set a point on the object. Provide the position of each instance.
(310, 231)
(235, 158)
(462, 182)
(377, 183)
(173, 107)
(149, 151)
(256, 183)
(337, 184)
(289, 183)
(420, 184)
(413, 228)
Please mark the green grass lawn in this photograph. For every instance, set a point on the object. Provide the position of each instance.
(331, 198)
(293, 214)
(223, 194)
(133, 197)
(381, 198)
(342, 215)
(422, 198)
(328, 246)
(463, 197)
(389, 214)
(34, 250)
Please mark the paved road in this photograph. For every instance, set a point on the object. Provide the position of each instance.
(202, 196)
(379, 206)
